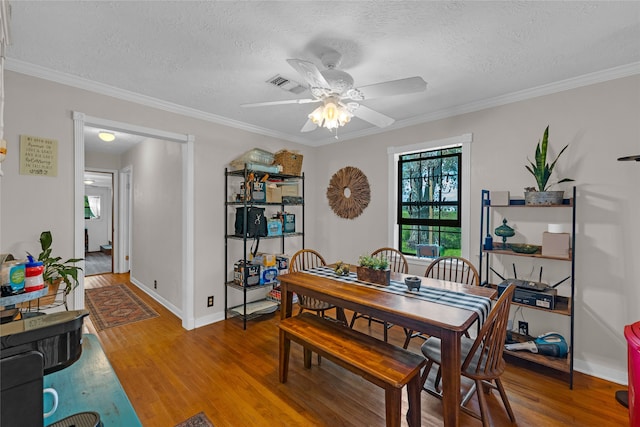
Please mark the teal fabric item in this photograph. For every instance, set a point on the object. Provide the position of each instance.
(90, 384)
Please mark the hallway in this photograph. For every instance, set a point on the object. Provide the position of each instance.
(97, 263)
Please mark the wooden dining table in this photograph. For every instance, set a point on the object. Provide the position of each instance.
(444, 321)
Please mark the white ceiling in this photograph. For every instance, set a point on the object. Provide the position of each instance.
(121, 144)
(100, 179)
(205, 58)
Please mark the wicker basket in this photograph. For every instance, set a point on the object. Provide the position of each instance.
(291, 162)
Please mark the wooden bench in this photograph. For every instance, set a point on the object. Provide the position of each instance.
(381, 363)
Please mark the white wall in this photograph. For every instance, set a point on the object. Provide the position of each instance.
(156, 231)
(600, 122)
(101, 161)
(41, 108)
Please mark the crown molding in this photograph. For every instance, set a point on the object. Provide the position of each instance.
(548, 89)
(523, 95)
(125, 95)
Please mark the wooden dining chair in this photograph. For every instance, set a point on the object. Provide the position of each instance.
(397, 261)
(481, 359)
(398, 264)
(452, 269)
(306, 259)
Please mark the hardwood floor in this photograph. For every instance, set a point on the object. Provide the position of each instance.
(171, 374)
(97, 263)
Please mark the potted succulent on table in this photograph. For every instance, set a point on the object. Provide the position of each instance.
(56, 271)
(541, 171)
(374, 270)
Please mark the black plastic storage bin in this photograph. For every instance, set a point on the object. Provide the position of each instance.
(21, 389)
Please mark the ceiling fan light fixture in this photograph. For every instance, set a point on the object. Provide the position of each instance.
(106, 136)
(331, 115)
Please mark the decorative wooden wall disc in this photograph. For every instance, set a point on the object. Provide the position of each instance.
(348, 192)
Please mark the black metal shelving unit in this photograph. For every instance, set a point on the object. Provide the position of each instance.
(241, 176)
(564, 304)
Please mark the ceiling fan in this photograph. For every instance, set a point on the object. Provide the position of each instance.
(340, 100)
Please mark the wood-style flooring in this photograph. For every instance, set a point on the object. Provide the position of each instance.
(97, 263)
(231, 374)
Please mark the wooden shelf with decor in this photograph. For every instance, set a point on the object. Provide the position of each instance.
(566, 203)
(564, 305)
(497, 249)
(558, 363)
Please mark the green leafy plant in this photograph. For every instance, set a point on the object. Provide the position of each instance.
(54, 268)
(373, 262)
(541, 170)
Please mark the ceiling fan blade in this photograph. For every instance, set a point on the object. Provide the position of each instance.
(394, 87)
(309, 72)
(308, 126)
(373, 117)
(287, 101)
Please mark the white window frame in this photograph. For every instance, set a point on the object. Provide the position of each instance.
(394, 153)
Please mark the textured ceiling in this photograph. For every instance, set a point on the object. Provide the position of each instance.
(209, 57)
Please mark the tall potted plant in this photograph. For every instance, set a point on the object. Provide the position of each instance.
(56, 271)
(541, 171)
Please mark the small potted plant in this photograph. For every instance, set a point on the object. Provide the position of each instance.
(341, 269)
(374, 270)
(541, 171)
(55, 270)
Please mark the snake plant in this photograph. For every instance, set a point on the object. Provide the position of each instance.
(541, 170)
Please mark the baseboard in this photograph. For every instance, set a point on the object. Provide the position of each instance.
(165, 303)
(597, 370)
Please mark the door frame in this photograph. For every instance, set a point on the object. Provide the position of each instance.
(124, 217)
(80, 120)
(116, 247)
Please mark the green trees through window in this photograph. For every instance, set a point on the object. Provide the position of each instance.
(429, 195)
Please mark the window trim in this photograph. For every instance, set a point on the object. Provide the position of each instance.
(394, 153)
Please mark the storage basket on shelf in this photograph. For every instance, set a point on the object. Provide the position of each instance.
(291, 162)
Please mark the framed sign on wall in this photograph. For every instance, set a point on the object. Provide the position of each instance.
(38, 156)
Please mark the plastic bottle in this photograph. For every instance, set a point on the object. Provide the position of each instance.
(33, 275)
(13, 276)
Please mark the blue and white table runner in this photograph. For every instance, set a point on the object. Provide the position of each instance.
(479, 304)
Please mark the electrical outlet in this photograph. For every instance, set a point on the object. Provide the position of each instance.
(155, 284)
(210, 301)
(523, 328)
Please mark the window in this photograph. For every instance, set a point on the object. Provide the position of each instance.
(429, 202)
(429, 197)
(92, 207)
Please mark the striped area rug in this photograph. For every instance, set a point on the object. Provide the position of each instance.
(116, 305)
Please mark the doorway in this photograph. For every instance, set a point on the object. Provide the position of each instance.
(98, 222)
(186, 309)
